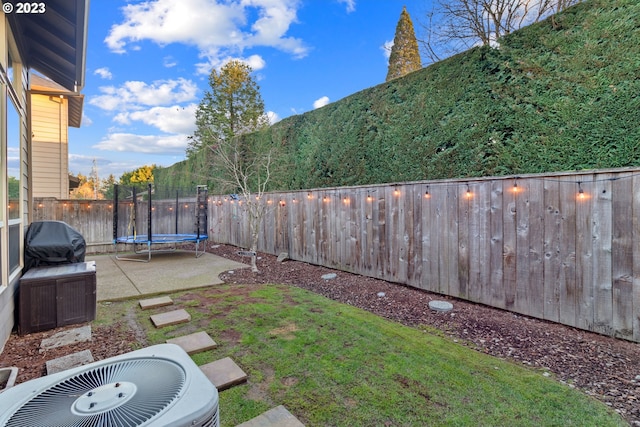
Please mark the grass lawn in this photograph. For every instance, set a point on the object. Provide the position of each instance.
(331, 364)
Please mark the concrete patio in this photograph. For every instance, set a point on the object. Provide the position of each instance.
(166, 272)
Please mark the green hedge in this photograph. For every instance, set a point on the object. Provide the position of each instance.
(556, 96)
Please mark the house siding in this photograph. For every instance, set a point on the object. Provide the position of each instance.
(49, 128)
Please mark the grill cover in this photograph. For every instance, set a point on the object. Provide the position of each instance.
(52, 243)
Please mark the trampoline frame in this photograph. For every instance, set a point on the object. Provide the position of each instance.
(141, 240)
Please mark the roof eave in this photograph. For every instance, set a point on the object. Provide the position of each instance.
(55, 43)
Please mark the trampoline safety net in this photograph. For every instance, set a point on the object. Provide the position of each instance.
(152, 219)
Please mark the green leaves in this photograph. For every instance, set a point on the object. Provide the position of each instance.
(552, 98)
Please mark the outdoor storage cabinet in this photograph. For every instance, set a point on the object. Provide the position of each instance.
(55, 296)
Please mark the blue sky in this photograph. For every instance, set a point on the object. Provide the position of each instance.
(148, 64)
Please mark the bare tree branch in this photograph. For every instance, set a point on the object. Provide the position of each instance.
(247, 174)
(457, 25)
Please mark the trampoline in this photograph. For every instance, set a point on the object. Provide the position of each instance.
(138, 208)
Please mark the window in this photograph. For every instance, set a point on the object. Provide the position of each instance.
(14, 201)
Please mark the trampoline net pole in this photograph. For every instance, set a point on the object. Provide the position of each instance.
(201, 210)
(134, 214)
(149, 235)
(115, 212)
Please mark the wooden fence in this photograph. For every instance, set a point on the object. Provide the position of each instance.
(562, 247)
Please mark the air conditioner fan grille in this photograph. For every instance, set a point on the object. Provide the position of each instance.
(157, 383)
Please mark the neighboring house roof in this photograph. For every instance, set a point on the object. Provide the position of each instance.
(42, 85)
(55, 42)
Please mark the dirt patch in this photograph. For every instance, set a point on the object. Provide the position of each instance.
(286, 332)
(106, 341)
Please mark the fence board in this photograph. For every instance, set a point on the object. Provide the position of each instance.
(602, 295)
(375, 234)
(460, 286)
(496, 295)
(535, 290)
(480, 243)
(509, 247)
(568, 191)
(415, 245)
(366, 229)
(352, 234)
(429, 249)
(636, 257)
(451, 274)
(521, 205)
(584, 254)
(441, 231)
(622, 258)
(403, 232)
(552, 250)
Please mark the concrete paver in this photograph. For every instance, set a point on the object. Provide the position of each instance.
(170, 318)
(194, 343)
(224, 373)
(150, 303)
(69, 361)
(71, 336)
(276, 417)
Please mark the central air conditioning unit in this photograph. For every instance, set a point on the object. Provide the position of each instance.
(155, 386)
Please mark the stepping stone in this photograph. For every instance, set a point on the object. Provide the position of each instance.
(278, 416)
(146, 304)
(170, 318)
(194, 343)
(71, 336)
(69, 361)
(224, 373)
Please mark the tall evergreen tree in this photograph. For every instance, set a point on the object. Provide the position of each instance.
(405, 56)
(232, 107)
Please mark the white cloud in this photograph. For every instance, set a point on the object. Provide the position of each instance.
(149, 144)
(169, 61)
(80, 163)
(350, 4)
(104, 73)
(215, 27)
(386, 48)
(273, 117)
(175, 119)
(256, 62)
(133, 95)
(86, 121)
(321, 102)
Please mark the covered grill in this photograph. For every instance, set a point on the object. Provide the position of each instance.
(52, 243)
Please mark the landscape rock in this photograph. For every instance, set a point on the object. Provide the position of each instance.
(440, 306)
(283, 256)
